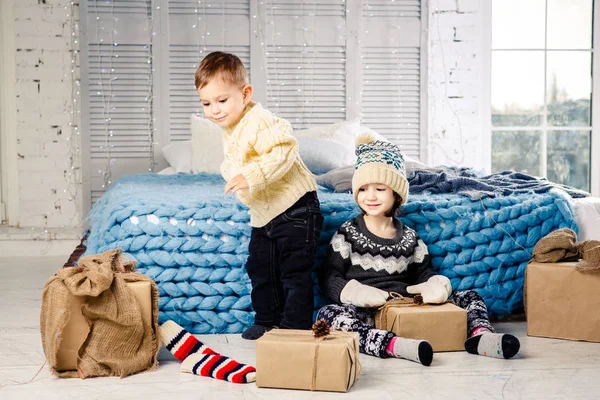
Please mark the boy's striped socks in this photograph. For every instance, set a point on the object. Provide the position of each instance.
(199, 359)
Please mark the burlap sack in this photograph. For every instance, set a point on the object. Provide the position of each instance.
(118, 343)
(562, 246)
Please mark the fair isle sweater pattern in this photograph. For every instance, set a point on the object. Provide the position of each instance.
(388, 264)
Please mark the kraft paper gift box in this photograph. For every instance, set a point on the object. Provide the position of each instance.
(444, 326)
(77, 329)
(295, 359)
(561, 302)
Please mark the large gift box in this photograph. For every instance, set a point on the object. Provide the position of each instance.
(77, 329)
(295, 359)
(444, 326)
(561, 302)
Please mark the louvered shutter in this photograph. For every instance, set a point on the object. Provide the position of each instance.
(119, 89)
(306, 60)
(196, 29)
(391, 67)
(312, 62)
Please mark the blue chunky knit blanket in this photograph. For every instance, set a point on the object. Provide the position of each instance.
(193, 241)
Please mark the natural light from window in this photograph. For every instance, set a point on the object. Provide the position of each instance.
(541, 88)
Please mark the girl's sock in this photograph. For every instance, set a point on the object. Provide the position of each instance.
(410, 349)
(486, 343)
(199, 359)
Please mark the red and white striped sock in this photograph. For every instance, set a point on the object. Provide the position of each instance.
(180, 342)
(219, 367)
(199, 359)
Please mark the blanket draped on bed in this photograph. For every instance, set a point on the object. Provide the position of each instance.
(464, 181)
(193, 241)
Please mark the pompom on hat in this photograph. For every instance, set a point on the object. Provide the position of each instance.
(379, 162)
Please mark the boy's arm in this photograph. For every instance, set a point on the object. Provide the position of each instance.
(277, 150)
(228, 170)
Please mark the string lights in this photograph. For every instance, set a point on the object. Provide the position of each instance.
(113, 81)
(277, 71)
(72, 173)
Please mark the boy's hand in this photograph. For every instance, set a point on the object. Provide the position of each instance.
(435, 291)
(236, 183)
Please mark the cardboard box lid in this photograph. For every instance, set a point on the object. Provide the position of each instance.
(295, 359)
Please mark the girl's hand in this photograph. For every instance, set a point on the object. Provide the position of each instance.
(360, 295)
(435, 291)
(236, 183)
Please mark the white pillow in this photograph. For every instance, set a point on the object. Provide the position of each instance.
(344, 133)
(179, 156)
(321, 155)
(167, 171)
(207, 145)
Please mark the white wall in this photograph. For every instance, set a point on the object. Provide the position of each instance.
(459, 78)
(457, 114)
(44, 105)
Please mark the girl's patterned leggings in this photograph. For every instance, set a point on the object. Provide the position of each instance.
(349, 318)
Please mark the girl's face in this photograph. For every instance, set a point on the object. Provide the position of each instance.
(375, 199)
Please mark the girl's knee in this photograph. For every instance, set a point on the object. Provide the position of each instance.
(329, 312)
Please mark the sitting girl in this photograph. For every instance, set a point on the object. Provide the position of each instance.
(375, 254)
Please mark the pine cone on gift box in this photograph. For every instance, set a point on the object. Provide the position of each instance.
(320, 328)
(418, 299)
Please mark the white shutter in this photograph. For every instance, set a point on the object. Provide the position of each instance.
(391, 55)
(119, 85)
(312, 62)
(306, 60)
(226, 27)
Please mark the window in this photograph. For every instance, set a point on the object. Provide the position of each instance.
(542, 53)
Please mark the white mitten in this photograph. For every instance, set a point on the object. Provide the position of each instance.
(360, 295)
(435, 291)
(444, 281)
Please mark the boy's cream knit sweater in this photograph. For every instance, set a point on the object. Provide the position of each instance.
(261, 148)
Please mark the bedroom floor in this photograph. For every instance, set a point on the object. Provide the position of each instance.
(545, 368)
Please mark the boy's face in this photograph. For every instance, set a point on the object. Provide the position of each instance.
(375, 199)
(224, 102)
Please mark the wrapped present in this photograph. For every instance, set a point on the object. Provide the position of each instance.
(295, 359)
(100, 318)
(562, 302)
(77, 329)
(444, 326)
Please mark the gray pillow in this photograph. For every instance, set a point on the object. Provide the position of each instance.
(339, 179)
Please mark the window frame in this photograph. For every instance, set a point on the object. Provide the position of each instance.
(594, 127)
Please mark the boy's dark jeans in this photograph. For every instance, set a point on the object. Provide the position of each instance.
(280, 264)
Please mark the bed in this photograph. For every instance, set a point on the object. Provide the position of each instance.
(193, 241)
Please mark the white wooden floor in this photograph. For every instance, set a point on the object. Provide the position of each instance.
(544, 369)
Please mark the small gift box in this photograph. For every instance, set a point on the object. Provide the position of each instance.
(444, 326)
(296, 359)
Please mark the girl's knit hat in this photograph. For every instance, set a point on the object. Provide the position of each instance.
(379, 162)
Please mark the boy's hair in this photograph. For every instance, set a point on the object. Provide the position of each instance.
(394, 209)
(229, 66)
